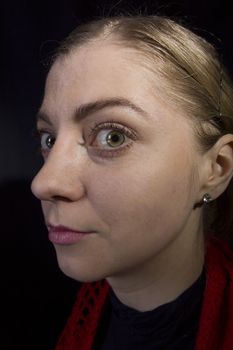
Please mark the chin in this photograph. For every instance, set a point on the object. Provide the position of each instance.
(83, 272)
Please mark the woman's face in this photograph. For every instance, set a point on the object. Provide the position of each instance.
(119, 162)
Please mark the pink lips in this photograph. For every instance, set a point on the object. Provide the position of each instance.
(64, 235)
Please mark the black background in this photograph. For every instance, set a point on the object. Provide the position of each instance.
(37, 297)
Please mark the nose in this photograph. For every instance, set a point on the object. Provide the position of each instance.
(59, 178)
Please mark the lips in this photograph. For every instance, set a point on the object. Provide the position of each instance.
(64, 235)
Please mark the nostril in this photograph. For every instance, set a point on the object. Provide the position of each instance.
(61, 198)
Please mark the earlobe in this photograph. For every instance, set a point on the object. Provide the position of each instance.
(221, 158)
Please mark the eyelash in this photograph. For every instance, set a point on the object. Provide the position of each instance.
(93, 132)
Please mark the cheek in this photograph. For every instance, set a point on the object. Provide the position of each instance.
(46, 208)
(142, 196)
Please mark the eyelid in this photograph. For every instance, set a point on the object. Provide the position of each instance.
(42, 129)
(41, 132)
(112, 125)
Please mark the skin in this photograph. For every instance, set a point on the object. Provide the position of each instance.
(148, 239)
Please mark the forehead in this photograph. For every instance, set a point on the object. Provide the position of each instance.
(101, 59)
(101, 70)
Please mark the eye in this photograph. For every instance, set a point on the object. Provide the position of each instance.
(111, 138)
(46, 140)
(111, 135)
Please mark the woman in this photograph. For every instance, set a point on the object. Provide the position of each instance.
(136, 130)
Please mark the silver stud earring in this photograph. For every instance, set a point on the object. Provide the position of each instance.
(206, 198)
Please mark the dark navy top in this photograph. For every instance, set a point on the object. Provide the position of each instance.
(171, 326)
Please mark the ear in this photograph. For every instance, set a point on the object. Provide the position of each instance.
(220, 166)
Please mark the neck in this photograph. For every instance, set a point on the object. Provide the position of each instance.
(164, 277)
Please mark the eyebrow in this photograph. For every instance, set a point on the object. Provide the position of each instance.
(87, 109)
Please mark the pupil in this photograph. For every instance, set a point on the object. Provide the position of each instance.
(115, 138)
(50, 141)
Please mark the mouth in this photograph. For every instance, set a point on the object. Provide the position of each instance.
(63, 235)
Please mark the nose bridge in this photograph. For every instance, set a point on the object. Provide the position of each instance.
(60, 176)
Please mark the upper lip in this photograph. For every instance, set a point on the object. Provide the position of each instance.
(61, 228)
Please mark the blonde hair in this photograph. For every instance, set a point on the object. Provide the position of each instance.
(198, 82)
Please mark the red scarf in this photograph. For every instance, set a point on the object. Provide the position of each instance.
(216, 321)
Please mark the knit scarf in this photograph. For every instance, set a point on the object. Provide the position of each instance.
(216, 321)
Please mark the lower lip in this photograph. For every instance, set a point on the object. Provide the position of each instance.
(66, 237)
